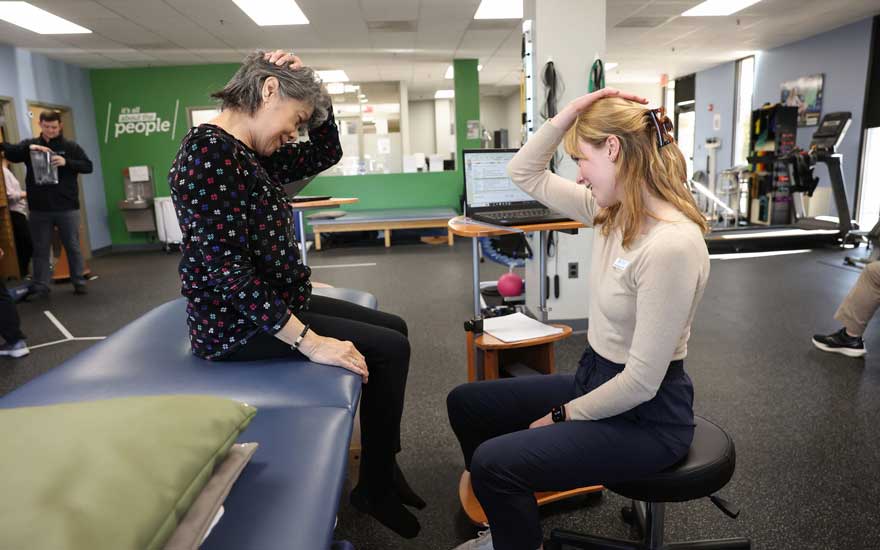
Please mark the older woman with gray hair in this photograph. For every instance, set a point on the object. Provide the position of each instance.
(248, 292)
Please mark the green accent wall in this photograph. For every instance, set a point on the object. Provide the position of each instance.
(160, 90)
(154, 90)
(467, 104)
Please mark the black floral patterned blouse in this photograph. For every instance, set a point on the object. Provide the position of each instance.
(241, 270)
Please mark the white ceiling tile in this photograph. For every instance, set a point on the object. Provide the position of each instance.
(90, 41)
(125, 55)
(390, 10)
(483, 40)
(393, 40)
(443, 10)
(77, 11)
(392, 72)
(362, 73)
(446, 39)
(126, 32)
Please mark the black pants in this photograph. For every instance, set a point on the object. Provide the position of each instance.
(10, 325)
(42, 224)
(382, 339)
(24, 247)
(509, 462)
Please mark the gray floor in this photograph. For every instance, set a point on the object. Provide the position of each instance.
(805, 423)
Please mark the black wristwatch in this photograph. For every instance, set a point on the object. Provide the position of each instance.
(558, 413)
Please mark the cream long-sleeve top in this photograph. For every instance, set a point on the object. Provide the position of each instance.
(14, 194)
(643, 298)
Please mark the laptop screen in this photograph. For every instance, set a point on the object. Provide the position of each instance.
(486, 179)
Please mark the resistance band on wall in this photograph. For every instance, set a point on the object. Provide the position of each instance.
(554, 88)
(597, 76)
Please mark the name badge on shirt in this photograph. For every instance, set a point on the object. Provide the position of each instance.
(620, 264)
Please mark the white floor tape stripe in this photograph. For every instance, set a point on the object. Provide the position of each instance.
(58, 324)
(49, 344)
(83, 338)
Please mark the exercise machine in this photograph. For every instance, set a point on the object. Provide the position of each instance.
(797, 176)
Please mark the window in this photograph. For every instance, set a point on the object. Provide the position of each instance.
(745, 85)
(869, 190)
(368, 116)
(669, 97)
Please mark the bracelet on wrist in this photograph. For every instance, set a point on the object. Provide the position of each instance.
(299, 338)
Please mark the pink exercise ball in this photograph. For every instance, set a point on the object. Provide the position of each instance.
(510, 284)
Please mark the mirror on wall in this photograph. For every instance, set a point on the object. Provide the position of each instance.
(369, 120)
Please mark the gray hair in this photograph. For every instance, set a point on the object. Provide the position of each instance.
(244, 89)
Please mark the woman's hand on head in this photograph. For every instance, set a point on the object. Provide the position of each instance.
(582, 103)
(569, 114)
(338, 353)
(281, 58)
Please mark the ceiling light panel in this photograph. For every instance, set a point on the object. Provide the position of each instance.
(269, 13)
(718, 8)
(38, 20)
(500, 9)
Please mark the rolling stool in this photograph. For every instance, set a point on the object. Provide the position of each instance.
(707, 468)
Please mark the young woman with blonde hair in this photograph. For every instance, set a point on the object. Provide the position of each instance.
(628, 411)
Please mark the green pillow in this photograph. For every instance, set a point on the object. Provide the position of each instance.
(116, 474)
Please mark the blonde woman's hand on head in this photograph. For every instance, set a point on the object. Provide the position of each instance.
(582, 103)
(569, 114)
(281, 58)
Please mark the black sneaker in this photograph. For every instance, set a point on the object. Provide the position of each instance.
(80, 289)
(840, 342)
(35, 293)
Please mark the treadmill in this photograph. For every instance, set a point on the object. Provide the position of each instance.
(804, 232)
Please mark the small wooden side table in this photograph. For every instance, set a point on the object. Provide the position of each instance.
(537, 353)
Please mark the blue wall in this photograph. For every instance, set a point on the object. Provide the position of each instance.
(28, 76)
(714, 86)
(842, 56)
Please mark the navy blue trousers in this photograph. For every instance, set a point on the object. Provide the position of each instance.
(509, 462)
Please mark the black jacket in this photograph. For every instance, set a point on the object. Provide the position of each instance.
(52, 198)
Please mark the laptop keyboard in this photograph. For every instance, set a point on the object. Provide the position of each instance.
(524, 214)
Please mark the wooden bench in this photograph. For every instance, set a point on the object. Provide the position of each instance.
(384, 220)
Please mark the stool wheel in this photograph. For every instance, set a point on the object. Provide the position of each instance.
(628, 515)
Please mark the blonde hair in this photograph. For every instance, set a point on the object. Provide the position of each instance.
(641, 164)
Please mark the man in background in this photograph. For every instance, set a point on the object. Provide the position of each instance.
(854, 313)
(53, 205)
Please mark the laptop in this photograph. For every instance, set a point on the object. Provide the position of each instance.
(491, 196)
(293, 188)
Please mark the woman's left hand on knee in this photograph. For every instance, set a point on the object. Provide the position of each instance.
(545, 420)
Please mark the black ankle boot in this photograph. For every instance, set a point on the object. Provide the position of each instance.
(388, 510)
(405, 492)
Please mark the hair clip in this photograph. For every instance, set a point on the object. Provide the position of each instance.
(662, 125)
